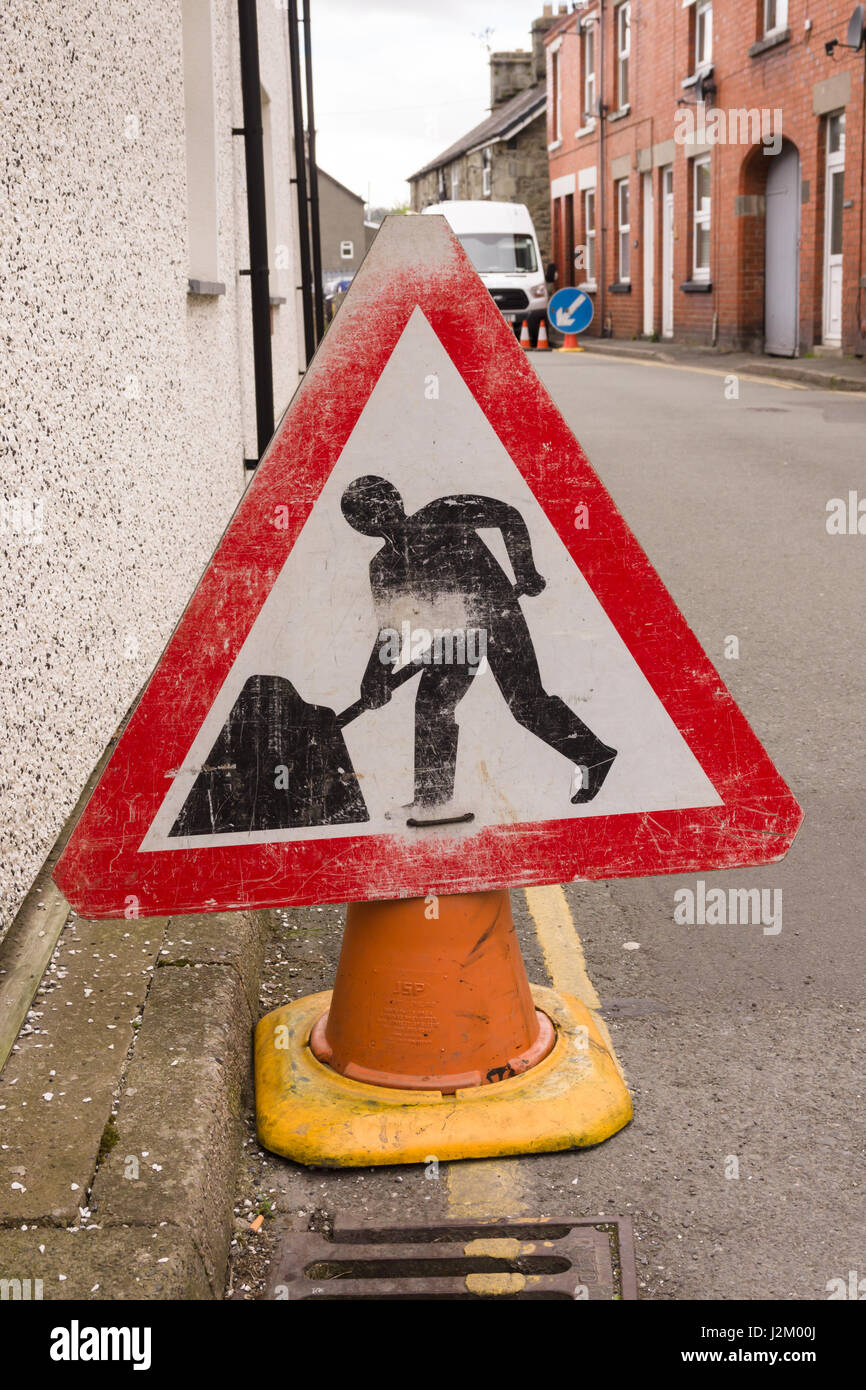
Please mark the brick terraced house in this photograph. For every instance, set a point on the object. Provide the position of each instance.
(706, 166)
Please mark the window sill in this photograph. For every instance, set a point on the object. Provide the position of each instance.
(276, 300)
(705, 70)
(205, 289)
(768, 42)
(620, 114)
(589, 286)
(620, 287)
(556, 145)
(696, 286)
(585, 130)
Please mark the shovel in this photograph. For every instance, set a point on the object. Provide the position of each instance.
(279, 763)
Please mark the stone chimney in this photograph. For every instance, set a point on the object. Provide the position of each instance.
(510, 73)
(539, 29)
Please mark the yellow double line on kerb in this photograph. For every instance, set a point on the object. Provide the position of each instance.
(482, 1189)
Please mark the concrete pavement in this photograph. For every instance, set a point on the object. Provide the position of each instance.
(121, 1109)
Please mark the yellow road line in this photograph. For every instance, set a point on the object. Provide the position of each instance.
(560, 943)
(710, 371)
(563, 953)
(483, 1189)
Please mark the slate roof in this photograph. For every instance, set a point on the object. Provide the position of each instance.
(512, 115)
(323, 174)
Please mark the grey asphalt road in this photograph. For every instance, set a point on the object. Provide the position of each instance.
(743, 1051)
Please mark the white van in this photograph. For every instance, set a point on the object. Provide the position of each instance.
(500, 241)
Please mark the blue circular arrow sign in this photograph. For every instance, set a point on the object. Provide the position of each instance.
(570, 311)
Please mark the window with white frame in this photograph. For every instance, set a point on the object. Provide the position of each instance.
(589, 233)
(623, 231)
(486, 171)
(623, 49)
(347, 250)
(455, 183)
(775, 16)
(588, 44)
(441, 186)
(703, 34)
(555, 97)
(701, 219)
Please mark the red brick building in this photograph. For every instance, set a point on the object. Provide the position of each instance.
(706, 161)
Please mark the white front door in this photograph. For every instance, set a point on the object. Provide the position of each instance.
(834, 194)
(648, 257)
(668, 251)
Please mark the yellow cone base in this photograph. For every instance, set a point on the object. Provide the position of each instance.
(575, 1097)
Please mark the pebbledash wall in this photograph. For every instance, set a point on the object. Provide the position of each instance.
(127, 401)
(764, 56)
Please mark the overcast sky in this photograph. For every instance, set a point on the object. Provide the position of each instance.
(397, 81)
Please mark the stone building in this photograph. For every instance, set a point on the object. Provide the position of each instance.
(706, 164)
(127, 368)
(505, 157)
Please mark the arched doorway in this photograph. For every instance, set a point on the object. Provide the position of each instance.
(782, 253)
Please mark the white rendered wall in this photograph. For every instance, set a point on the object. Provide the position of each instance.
(126, 405)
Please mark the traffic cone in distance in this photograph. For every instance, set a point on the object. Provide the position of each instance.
(433, 1005)
(525, 341)
(571, 344)
(431, 997)
(541, 344)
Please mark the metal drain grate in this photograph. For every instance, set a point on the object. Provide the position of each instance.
(541, 1260)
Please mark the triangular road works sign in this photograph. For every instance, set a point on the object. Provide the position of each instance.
(428, 655)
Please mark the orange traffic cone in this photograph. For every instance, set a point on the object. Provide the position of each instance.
(525, 341)
(571, 344)
(542, 345)
(435, 1005)
(432, 1044)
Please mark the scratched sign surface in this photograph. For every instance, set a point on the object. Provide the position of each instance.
(428, 654)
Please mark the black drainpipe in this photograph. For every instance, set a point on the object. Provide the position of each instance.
(258, 226)
(301, 180)
(318, 293)
(601, 177)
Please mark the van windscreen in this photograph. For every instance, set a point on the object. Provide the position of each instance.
(492, 252)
